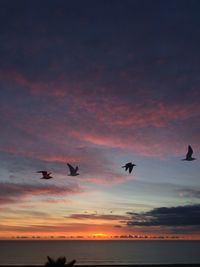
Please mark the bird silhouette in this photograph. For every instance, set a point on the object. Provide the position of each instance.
(129, 166)
(188, 156)
(45, 175)
(73, 171)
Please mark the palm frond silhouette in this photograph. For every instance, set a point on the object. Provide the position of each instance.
(60, 262)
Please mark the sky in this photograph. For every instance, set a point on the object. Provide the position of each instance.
(98, 84)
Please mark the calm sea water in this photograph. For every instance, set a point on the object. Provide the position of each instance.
(101, 252)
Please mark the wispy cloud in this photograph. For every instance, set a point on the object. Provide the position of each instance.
(129, 124)
(109, 217)
(13, 192)
(189, 193)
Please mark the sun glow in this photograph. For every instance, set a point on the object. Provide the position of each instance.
(100, 235)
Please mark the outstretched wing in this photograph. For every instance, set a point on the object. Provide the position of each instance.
(190, 152)
(44, 173)
(76, 169)
(130, 168)
(127, 165)
(71, 168)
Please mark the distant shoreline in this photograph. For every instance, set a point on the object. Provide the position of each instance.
(96, 239)
(112, 265)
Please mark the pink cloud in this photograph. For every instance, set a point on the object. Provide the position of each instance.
(12, 192)
(106, 179)
(136, 144)
(108, 108)
(94, 100)
(151, 127)
(42, 156)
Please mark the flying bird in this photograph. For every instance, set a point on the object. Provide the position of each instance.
(189, 154)
(129, 166)
(73, 171)
(45, 175)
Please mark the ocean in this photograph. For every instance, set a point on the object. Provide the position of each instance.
(101, 252)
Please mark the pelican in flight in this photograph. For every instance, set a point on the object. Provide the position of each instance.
(188, 156)
(73, 171)
(129, 166)
(45, 175)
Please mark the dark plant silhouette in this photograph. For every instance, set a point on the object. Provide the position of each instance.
(61, 262)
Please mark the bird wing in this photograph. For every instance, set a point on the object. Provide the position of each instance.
(130, 168)
(190, 152)
(127, 167)
(49, 175)
(71, 168)
(44, 173)
(76, 169)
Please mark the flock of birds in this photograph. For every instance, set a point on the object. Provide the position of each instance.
(128, 166)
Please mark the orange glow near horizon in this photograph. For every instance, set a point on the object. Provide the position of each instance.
(77, 229)
(14, 235)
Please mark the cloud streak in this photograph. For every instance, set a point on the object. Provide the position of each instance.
(106, 217)
(180, 216)
(13, 192)
(135, 120)
(189, 193)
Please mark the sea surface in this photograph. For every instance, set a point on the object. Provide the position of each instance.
(101, 252)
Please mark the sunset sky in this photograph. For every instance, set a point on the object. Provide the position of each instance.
(98, 84)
